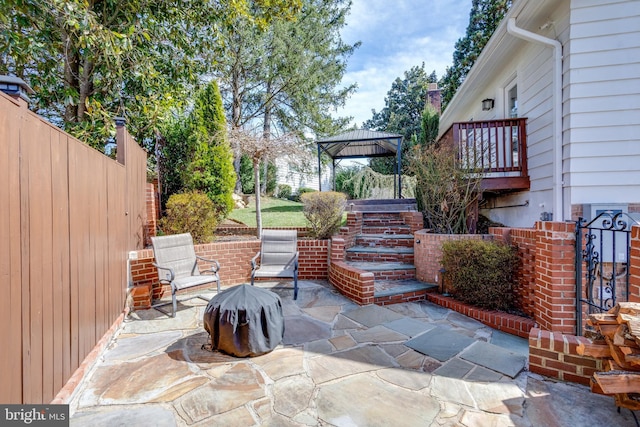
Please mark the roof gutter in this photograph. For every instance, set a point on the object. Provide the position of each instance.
(558, 201)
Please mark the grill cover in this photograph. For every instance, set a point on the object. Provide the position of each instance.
(244, 321)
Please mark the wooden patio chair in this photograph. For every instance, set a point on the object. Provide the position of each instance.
(177, 265)
(278, 257)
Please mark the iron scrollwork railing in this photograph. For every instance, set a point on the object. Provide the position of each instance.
(602, 254)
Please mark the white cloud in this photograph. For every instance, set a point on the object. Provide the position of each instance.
(395, 36)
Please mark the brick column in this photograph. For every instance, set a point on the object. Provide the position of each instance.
(634, 265)
(555, 293)
(337, 249)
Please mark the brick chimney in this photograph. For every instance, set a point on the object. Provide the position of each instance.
(434, 96)
(16, 88)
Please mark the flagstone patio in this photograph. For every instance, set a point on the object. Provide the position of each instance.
(413, 364)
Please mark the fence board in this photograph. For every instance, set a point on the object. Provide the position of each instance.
(10, 259)
(60, 255)
(64, 235)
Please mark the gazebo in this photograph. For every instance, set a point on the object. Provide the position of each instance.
(363, 143)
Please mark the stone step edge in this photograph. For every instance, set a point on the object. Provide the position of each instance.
(381, 266)
(384, 236)
(404, 289)
(380, 250)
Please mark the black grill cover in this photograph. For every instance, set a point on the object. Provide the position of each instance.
(244, 321)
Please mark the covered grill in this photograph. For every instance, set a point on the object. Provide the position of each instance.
(244, 321)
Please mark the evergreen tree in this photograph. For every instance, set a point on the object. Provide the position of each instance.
(429, 125)
(484, 18)
(211, 170)
(402, 113)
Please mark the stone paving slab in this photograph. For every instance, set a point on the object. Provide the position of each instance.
(372, 315)
(409, 327)
(134, 416)
(495, 358)
(440, 343)
(510, 342)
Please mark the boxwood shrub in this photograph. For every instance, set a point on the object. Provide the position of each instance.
(480, 273)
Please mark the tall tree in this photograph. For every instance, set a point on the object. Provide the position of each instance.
(90, 60)
(287, 77)
(484, 18)
(402, 112)
(211, 170)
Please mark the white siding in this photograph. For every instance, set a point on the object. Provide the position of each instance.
(602, 113)
(291, 175)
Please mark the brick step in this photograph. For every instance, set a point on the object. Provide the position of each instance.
(386, 229)
(385, 239)
(372, 222)
(380, 254)
(386, 270)
(398, 291)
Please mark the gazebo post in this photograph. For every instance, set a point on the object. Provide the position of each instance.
(399, 167)
(319, 171)
(333, 173)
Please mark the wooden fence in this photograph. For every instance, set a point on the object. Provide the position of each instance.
(68, 216)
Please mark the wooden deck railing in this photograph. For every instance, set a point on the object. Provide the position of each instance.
(495, 148)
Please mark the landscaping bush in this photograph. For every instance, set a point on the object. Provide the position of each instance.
(301, 191)
(480, 272)
(283, 191)
(192, 212)
(323, 210)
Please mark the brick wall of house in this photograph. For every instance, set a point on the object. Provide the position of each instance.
(235, 265)
(555, 355)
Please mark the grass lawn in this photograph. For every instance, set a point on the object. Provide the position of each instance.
(275, 213)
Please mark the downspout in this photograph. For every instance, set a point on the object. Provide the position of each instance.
(558, 198)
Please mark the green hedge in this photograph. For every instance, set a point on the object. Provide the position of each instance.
(480, 273)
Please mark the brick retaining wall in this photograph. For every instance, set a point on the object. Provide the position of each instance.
(235, 265)
(554, 355)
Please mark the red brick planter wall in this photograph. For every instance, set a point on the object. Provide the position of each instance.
(355, 284)
(554, 355)
(427, 249)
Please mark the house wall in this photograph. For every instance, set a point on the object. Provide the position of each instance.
(294, 177)
(602, 107)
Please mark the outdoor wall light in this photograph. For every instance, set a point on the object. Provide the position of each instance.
(487, 104)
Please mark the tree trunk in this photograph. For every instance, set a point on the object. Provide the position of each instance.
(236, 112)
(256, 173)
(266, 134)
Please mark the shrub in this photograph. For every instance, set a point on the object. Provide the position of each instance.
(192, 212)
(301, 191)
(344, 181)
(323, 211)
(480, 272)
(283, 191)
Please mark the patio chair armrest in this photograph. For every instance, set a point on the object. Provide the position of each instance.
(215, 265)
(254, 261)
(170, 276)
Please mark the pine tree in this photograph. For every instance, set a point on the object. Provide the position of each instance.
(484, 18)
(402, 113)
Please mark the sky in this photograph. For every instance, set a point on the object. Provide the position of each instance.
(397, 35)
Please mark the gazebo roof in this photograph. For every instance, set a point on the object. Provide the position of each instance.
(361, 143)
